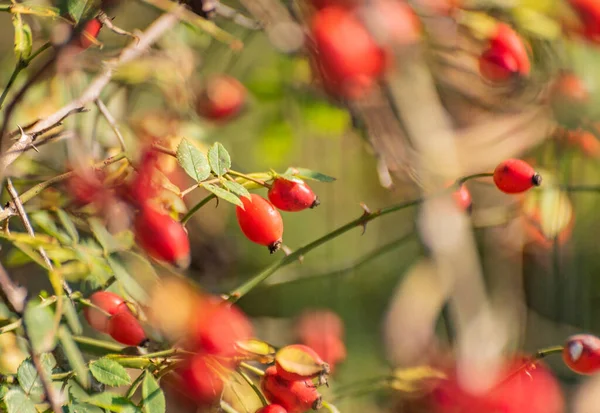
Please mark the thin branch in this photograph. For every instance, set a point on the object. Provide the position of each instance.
(235, 16)
(162, 149)
(112, 122)
(15, 296)
(107, 21)
(134, 50)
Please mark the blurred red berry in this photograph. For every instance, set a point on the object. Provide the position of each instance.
(514, 176)
(126, 329)
(505, 56)
(524, 387)
(331, 349)
(462, 197)
(202, 379)
(292, 196)
(143, 187)
(316, 322)
(107, 301)
(589, 14)
(260, 222)
(272, 408)
(222, 98)
(293, 396)
(347, 57)
(90, 31)
(219, 327)
(581, 353)
(162, 237)
(570, 88)
(86, 187)
(393, 22)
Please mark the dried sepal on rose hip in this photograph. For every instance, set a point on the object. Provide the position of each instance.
(514, 176)
(260, 222)
(294, 396)
(292, 195)
(300, 362)
(162, 237)
(581, 353)
(108, 304)
(126, 329)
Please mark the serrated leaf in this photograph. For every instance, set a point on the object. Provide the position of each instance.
(68, 224)
(304, 173)
(71, 351)
(193, 162)
(39, 322)
(113, 402)
(17, 402)
(223, 194)
(23, 38)
(219, 159)
(109, 372)
(83, 408)
(30, 381)
(153, 398)
(236, 188)
(79, 10)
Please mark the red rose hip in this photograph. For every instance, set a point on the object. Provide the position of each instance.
(90, 31)
(222, 98)
(162, 237)
(126, 329)
(514, 176)
(260, 222)
(505, 56)
(107, 301)
(201, 379)
(292, 196)
(300, 362)
(581, 353)
(272, 408)
(293, 396)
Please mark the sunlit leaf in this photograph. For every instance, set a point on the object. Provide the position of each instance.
(219, 159)
(304, 173)
(17, 402)
(40, 325)
(153, 398)
(194, 162)
(113, 402)
(44, 220)
(79, 9)
(23, 38)
(109, 372)
(223, 194)
(236, 188)
(73, 355)
(256, 349)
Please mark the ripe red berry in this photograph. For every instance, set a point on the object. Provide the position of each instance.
(162, 237)
(317, 322)
(143, 187)
(347, 57)
(300, 362)
(505, 56)
(86, 187)
(107, 301)
(514, 176)
(331, 348)
(293, 396)
(589, 13)
(219, 327)
(292, 196)
(272, 408)
(462, 197)
(581, 353)
(90, 31)
(222, 98)
(202, 380)
(260, 222)
(126, 329)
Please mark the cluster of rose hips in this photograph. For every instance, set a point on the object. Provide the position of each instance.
(344, 52)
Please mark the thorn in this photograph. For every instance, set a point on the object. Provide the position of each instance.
(366, 213)
(34, 148)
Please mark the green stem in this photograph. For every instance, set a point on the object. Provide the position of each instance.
(464, 179)
(580, 188)
(364, 390)
(246, 287)
(93, 344)
(253, 386)
(196, 207)
(6, 7)
(249, 178)
(548, 351)
(63, 376)
(330, 407)
(253, 369)
(11, 327)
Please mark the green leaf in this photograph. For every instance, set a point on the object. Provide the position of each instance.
(109, 372)
(536, 23)
(17, 402)
(44, 220)
(29, 379)
(83, 408)
(112, 402)
(71, 351)
(68, 224)
(219, 159)
(223, 194)
(236, 188)
(153, 398)
(71, 316)
(39, 322)
(133, 288)
(79, 10)
(23, 38)
(304, 173)
(193, 161)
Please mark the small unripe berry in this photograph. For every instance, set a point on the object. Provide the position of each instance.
(201, 379)
(126, 329)
(292, 196)
(162, 237)
(581, 353)
(348, 58)
(272, 408)
(222, 98)
(107, 301)
(260, 222)
(91, 30)
(514, 176)
(293, 396)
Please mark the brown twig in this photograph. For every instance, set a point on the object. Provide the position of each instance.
(107, 21)
(151, 35)
(112, 122)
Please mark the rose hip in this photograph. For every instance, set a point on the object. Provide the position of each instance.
(111, 303)
(292, 196)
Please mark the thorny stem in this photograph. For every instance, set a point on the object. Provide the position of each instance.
(196, 207)
(112, 122)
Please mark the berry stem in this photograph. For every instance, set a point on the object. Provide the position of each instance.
(464, 179)
(253, 386)
(249, 178)
(196, 207)
(548, 351)
(253, 369)
(94, 346)
(330, 407)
